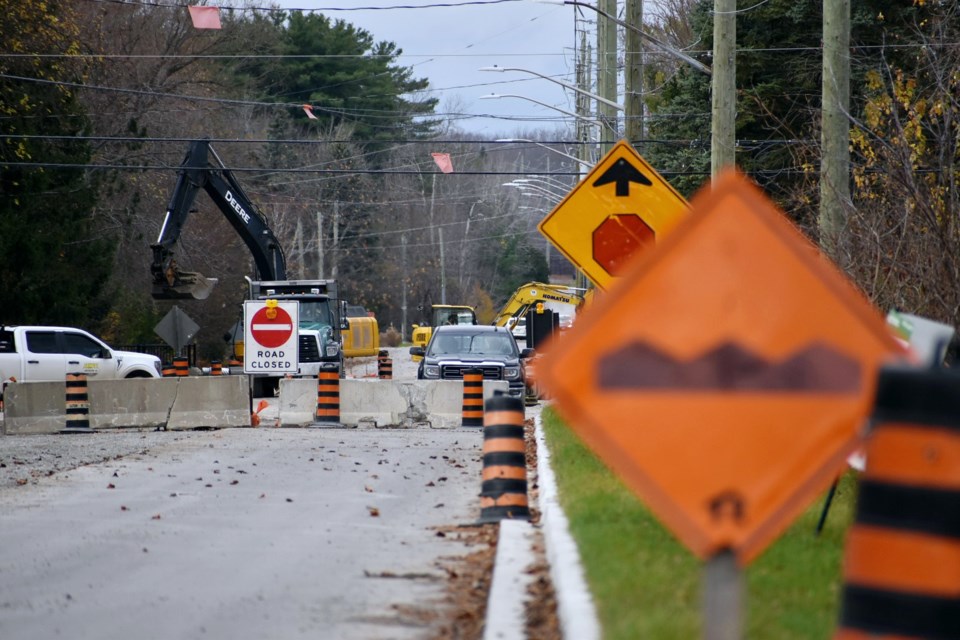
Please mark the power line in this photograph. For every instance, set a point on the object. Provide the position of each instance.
(385, 172)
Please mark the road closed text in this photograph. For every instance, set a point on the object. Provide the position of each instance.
(271, 361)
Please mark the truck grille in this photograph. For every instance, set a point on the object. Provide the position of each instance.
(455, 371)
(309, 350)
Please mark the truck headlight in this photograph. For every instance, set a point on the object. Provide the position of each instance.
(332, 349)
(431, 371)
(511, 373)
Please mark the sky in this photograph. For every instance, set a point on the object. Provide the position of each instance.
(449, 44)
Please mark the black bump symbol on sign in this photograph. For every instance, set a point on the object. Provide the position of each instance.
(727, 504)
(622, 173)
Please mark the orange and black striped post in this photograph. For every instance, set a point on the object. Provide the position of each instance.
(168, 370)
(902, 556)
(473, 398)
(328, 398)
(181, 366)
(384, 365)
(503, 494)
(77, 404)
(216, 368)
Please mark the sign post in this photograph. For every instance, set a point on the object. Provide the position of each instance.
(270, 336)
(726, 378)
(621, 208)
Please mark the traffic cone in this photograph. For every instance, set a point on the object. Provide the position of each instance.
(77, 404)
(902, 556)
(503, 494)
(384, 365)
(473, 398)
(328, 398)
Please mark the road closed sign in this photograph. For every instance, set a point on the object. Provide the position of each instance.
(270, 336)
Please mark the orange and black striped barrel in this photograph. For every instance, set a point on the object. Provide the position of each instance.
(473, 398)
(328, 397)
(181, 366)
(77, 404)
(902, 557)
(384, 366)
(168, 370)
(503, 493)
(216, 368)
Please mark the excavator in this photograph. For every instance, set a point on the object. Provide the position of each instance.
(528, 297)
(322, 313)
(197, 172)
(533, 293)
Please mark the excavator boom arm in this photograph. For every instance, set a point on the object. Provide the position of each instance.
(197, 172)
(530, 294)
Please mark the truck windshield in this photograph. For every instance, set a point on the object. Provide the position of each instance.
(452, 316)
(315, 314)
(491, 344)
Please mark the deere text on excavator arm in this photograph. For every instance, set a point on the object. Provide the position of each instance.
(198, 172)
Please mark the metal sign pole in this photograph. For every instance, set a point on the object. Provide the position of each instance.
(722, 598)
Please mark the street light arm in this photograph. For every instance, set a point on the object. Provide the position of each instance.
(609, 103)
(497, 96)
(696, 64)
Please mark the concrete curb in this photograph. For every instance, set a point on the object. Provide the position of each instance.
(508, 588)
(578, 616)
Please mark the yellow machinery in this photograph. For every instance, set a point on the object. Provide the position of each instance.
(441, 314)
(532, 293)
(363, 336)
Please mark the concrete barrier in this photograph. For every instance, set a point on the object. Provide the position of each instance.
(382, 403)
(216, 402)
(172, 403)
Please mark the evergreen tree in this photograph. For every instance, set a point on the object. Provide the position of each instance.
(345, 76)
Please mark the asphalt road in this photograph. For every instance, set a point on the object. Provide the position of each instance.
(246, 533)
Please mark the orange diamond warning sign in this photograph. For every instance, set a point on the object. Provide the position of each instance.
(621, 208)
(725, 377)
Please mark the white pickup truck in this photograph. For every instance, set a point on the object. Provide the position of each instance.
(31, 354)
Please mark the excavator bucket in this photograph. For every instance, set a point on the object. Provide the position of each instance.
(187, 285)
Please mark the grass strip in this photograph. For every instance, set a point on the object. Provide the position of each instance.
(647, 585)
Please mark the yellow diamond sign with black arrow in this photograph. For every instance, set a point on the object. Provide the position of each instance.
(622, 207)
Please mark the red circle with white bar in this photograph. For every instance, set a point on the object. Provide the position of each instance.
(271, 332)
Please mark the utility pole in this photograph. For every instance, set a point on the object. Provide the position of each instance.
(633, 74)
(320, 247)
(583, 124)
(835, 127)
(607, 70)
(723, 127)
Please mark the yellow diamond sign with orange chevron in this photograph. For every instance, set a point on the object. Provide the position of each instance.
(620, 209)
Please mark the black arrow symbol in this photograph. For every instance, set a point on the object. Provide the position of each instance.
(622, 173)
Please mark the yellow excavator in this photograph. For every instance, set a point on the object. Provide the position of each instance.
(532, 293)
(526, 298)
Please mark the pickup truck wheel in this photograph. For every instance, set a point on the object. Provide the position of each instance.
(137, 374)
